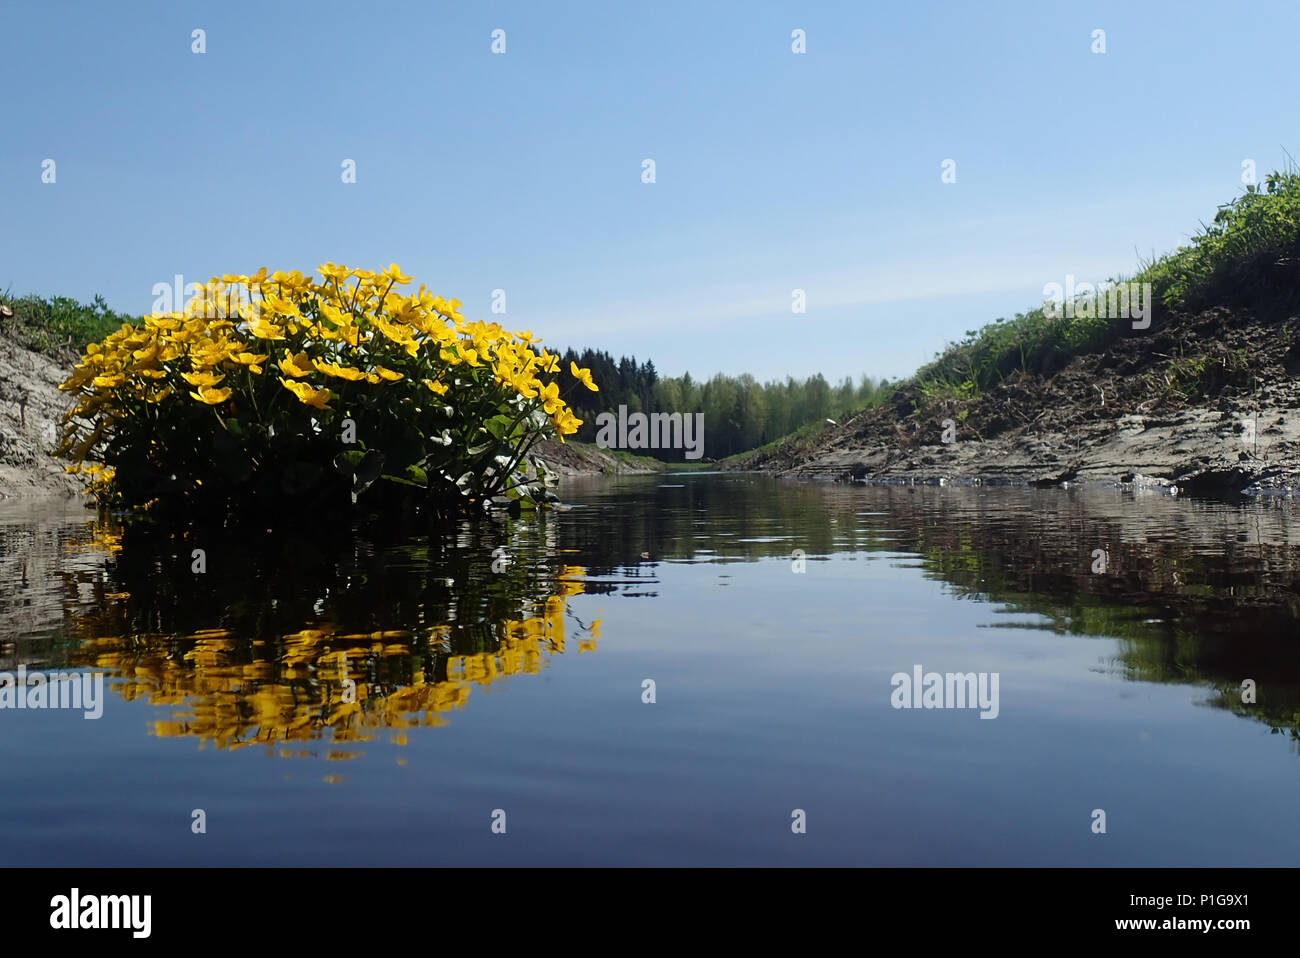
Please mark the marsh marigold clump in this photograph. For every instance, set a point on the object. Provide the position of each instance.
(280, 389)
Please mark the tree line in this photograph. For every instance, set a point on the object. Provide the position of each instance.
(740, 413)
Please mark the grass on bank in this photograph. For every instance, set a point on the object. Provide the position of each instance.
(630, 459)
(1260, 226)
(59, 327)
(802, 438)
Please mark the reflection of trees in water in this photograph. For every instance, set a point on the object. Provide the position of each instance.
(1196, 591)
(299, 637)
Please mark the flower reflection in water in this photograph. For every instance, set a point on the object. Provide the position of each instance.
(235, 686)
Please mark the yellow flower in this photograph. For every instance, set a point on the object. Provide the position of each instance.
(397, 334)
(330, 271)
(281, 307)
(395, 275)
(307, 395)
(334, 315)
(388, 374)
(583, 376)
(468, 356)
(211, 396)
(566, 423)
(202, 380)
(524, 384)
(550, 396)
(264, 330)
(296, 366)
(435, 387)
(339, 372)
(252, 360)
(346, 334)
(208, 353)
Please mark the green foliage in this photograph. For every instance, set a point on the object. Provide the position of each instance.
(59, 326)
(1263, 221)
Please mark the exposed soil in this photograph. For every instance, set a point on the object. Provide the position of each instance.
(31, 407)
(1208, 402)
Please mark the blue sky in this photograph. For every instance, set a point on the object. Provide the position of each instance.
(522, 171)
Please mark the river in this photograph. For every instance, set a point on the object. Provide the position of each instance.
(681, 669)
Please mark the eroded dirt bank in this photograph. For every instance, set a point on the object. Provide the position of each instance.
(1210, 403)
(31, 407)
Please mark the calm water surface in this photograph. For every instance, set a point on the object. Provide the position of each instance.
(519, 686)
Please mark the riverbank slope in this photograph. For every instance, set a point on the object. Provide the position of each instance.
(1199, 388)
(1207, 402)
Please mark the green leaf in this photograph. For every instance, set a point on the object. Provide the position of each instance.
(349, 462)
(363, 467)
(402, 482)
(499, 426)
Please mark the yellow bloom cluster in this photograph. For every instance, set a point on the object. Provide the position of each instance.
(353, 329)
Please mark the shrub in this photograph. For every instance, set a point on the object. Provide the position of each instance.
(280, 391)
